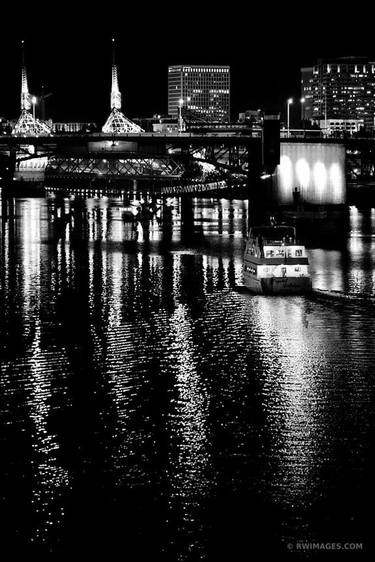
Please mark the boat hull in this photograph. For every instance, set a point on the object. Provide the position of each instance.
(279, 285)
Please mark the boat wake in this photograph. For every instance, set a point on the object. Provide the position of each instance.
(340, 295)
(322, 294)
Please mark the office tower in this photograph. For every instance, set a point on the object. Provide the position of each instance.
(342, 92)
(201, 91)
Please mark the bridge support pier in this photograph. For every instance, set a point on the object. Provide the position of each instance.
(7, 174)
(187, 216)
(167, 220)
(257, 199)
(7, 171)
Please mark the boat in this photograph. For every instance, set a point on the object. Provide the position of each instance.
(274, 261)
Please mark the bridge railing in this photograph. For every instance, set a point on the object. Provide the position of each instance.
(323, 134)
(302, 133)
(174, 134)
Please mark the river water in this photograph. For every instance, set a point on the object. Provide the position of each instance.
(149, 411)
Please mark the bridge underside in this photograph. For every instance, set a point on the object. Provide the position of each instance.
(232, 158)
(173, 162)
(120, 168)
(168, 175)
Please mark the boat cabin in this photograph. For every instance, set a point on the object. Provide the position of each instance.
(274, 242)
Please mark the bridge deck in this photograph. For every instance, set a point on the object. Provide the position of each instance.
(11, 141)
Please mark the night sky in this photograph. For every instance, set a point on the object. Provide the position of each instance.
(68, 48)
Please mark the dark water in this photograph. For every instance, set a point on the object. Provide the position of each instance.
(148, 411)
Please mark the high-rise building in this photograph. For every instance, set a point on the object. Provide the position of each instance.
(342, 91)
(307, 93)
(202, 92)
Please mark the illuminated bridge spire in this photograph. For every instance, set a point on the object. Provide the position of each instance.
(25, 96)
(115, 92)
(117, 123)
(27, 125)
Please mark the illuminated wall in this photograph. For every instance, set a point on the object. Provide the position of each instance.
(317, 169)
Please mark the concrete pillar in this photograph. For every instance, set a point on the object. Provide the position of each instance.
(256, 188)
(187, 216)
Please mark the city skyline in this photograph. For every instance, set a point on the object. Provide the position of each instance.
(73, 59)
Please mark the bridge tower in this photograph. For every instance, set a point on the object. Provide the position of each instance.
(117, 123)
(27, 125)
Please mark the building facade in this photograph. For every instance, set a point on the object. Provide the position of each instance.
(307, 93)
(340, 90)
(202, 92)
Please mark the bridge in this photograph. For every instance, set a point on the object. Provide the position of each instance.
(146, 156)
(123, 151)
(198, 161)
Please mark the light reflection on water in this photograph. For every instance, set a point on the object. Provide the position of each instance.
(350, 268)
(148, 404)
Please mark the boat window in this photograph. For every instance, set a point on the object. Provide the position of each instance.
(297, 269)
(275, 233)
(270, 254)
(250, 269)
(298, 253)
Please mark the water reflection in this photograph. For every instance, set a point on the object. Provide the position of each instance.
(349, 269)
(152, 409)
(190, 477)
(293, 356)
(39, 368)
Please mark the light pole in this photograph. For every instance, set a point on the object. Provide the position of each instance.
(289, 103)
(180, 122)
(33, 101)
(303, 112)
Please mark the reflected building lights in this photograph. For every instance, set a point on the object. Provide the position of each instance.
(186, 375)
(176, 277)
(355, 221)
(291, 398)
(49, 479)
(190, 478)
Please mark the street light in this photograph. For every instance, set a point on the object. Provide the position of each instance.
(33, 101)
(180, 123)
(303, 108)
(289, 102)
